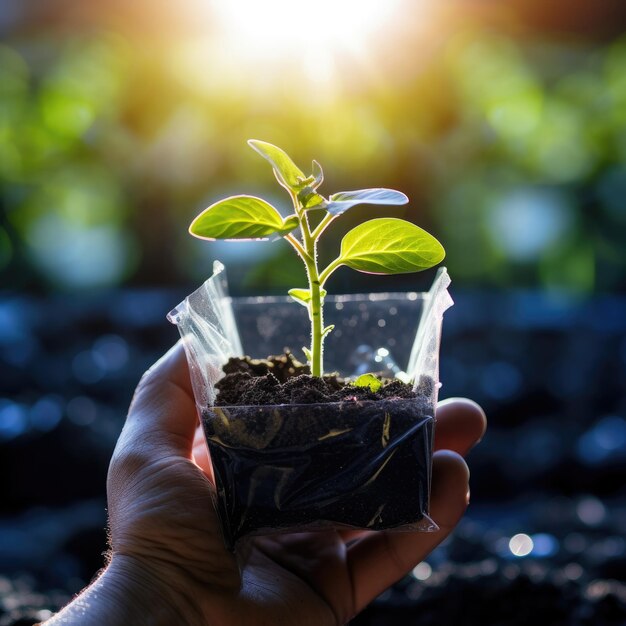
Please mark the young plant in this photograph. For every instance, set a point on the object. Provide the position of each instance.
(378, 246)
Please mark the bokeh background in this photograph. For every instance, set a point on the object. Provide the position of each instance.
(505, 124)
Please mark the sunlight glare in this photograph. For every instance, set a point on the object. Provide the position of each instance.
(311, 34)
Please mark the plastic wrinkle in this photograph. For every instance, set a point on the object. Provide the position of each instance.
(424, 357)
(207, 325)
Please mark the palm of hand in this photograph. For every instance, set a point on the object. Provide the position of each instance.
(161, 515)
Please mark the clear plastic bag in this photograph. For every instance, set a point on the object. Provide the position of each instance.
(301, 467)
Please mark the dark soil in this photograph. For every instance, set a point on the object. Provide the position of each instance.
(359, 464)
(293, 451)
(284, 380)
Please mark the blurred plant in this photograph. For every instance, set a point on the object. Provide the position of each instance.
(101, 133)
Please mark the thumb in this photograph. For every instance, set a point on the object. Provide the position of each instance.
(163, 412)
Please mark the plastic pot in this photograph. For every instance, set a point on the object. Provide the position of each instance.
(311, 466)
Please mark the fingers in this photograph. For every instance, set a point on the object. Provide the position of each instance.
(380, 559)
(461, 424)
(163, 410)
(201, 454)
(351, 534)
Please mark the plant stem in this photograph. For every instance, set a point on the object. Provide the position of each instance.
(321, 227)
(316, 313)
(323, 277)
(307, 250)
(302, 253)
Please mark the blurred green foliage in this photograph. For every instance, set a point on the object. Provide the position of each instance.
(512, 151)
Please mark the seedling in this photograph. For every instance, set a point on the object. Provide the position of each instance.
(378, 246)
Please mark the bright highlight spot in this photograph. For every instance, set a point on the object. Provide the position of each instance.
(422, 571)
(521, 545)
(311, 35)
(272, 27)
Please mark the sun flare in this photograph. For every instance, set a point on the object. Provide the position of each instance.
(310, 34)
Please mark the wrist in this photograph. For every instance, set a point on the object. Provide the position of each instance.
(125, 593)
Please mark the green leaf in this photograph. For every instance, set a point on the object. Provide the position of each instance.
(287, 173)
(310, 199)
(307, 353)
(241, 217)
(327, 330)
(291, 222)
(368, 380)
(318, 174)
(303, 296)
(340, 202)
(389, 246)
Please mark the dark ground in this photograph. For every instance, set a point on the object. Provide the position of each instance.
(550, 372)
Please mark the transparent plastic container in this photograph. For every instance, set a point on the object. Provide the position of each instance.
(357, 464)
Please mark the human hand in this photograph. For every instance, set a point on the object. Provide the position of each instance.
(168, 563)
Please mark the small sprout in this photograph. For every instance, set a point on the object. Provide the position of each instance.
(368, 380)
(303, 296)
(378, 246)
